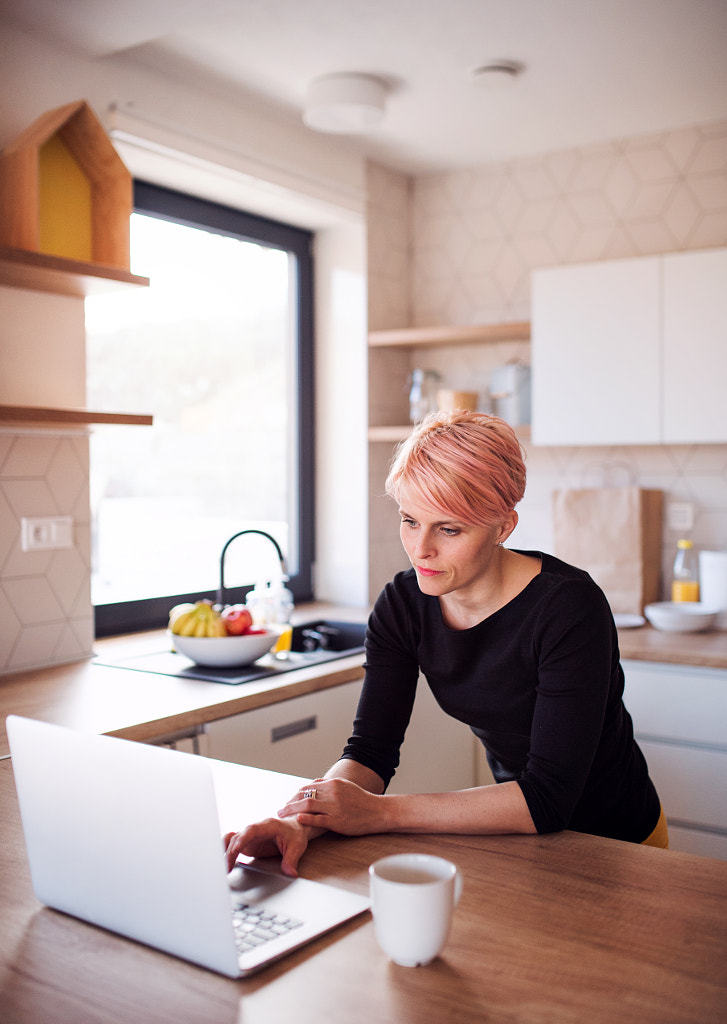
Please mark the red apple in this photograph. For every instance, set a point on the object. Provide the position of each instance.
(237, 619)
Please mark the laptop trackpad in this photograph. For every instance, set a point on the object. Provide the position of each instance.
(252, 885)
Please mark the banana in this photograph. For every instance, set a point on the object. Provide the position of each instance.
(199, 619)
(184, 624)
(216, 626)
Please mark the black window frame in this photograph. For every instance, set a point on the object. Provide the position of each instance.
(182, 208)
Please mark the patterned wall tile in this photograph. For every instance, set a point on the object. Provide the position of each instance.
(46, 614)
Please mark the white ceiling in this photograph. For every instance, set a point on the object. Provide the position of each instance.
(596, 70)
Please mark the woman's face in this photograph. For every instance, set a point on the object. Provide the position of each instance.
(448, 555)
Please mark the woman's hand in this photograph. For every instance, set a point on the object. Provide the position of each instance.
(268, 838)
(339, 805)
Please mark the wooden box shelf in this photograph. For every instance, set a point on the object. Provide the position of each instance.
(65, 191)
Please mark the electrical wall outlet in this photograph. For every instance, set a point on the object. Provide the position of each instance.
(681, 516)
(46, 533)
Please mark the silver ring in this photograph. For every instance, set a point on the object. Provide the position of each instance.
(310, 794)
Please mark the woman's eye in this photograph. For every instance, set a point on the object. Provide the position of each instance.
(449, 531)
(407, 522)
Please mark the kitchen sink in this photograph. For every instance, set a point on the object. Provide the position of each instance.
(313, 643)
(325, 635)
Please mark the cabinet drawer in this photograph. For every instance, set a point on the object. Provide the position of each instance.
(690, 782)
(302, 736)
(677, 702)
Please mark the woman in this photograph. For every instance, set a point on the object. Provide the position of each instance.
(518, 645)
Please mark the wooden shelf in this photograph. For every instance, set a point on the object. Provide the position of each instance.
(396, 433)
(21, 268)
(46, 416)
(392, 434)
(423, 336)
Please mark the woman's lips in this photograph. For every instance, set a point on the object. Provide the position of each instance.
(427, 572)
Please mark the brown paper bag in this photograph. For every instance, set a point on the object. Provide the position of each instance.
(614, 533)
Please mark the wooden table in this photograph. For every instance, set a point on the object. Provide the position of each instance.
(561, 928)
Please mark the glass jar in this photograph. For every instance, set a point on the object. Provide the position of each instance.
(423, 394)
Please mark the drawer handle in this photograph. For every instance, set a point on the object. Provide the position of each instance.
(284, 732)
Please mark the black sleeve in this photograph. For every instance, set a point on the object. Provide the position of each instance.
(389, 688)
(575, 671)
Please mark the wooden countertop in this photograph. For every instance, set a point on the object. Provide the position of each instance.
(145, 706)
(560, 928)
(705, 650)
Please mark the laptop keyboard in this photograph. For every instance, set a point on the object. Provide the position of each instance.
(254, 926)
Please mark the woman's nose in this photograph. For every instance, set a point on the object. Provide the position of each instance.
(423, 547)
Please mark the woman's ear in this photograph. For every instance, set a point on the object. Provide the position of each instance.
(507, 526)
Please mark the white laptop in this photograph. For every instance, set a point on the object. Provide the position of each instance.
(127, 836)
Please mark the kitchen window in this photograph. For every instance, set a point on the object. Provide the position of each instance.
(219, 349)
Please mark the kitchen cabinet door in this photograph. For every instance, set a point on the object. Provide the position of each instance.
(300, 736)
(680, 721)
(596, 353)
(695, 347)
(439, 754)
(305, 735)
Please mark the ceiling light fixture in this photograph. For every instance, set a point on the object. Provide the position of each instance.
(345, 104)
(498, 74)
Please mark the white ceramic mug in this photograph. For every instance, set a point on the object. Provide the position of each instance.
(413, 897)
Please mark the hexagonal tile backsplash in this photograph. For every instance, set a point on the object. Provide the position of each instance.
(46, 615)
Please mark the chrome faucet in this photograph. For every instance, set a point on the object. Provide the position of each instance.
(221, 600)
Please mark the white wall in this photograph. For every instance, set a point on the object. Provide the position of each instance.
(42, 350)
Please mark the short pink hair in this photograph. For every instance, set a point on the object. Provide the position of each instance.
(469, 466)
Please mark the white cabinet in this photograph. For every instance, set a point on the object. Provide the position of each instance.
(439, 754)
(305, 735)
(695, 347)
(595, 350)
(680, 721)
(300, 736)
(631, 351)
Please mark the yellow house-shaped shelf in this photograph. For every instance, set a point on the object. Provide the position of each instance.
(65, 192)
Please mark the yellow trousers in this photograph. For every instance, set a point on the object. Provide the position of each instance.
(660, 836)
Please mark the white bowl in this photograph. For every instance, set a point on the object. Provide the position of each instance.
(680, 616)
(225, 651)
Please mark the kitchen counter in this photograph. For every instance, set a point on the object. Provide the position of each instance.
(705, 650)
(144, 706)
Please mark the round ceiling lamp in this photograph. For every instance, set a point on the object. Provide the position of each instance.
(497, 74)
(345, 104)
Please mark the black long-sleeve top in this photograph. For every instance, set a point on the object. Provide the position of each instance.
(539, 682)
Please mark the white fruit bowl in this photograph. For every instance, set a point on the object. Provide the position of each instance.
(680, 616)
(225, 651)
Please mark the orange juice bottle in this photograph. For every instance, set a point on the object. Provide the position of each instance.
(685, 578)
